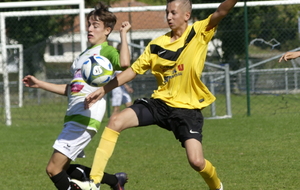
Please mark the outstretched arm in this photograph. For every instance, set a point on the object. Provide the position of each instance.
(124, 50)
(32, 82)
(220, 13)
(119, 80)
(289, 55)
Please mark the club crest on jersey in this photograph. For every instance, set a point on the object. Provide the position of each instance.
(180, 67)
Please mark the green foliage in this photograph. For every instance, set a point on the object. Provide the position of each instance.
(154, 2)
(33, 33)
(264, 22)
(92, 3)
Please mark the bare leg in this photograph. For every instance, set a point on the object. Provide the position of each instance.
(198, 163)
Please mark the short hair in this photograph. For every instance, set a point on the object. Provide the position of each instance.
(101, 13)
(186, 3)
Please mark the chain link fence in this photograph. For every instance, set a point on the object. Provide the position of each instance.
(249, 41)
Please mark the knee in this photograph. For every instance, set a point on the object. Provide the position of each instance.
(50, 171)
(53, 170)
(197, 164)
(115, 122)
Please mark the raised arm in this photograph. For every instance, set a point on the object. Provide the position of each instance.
(124, 50)
(32, 82)
(220, 13)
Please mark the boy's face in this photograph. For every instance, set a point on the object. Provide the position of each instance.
(97, 33)
(176, 14)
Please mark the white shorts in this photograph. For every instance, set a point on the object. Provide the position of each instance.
(120, 96)
(73, 139)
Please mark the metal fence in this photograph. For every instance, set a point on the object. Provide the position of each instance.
(251, 50)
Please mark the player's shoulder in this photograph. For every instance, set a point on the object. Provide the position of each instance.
(161, 38)
(109, 48)
(203, 22)
(109, 52)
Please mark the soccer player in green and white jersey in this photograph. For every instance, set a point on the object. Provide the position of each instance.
(176, 59)
(81, 124)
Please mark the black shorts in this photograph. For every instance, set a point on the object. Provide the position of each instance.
(184, 123)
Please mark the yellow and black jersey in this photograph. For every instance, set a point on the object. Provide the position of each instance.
(178, 65)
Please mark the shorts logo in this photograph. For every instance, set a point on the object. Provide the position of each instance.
(67, 147)
(193, 132)
(142, 99)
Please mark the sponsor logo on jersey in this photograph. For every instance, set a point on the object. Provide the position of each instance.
(175, 73)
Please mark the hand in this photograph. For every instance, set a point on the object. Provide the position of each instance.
(125, 27)
(289, 55)
(31, 81)
(129, 89)
(93, 97)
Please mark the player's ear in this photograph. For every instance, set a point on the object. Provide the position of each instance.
(108, 31)
(187, 16)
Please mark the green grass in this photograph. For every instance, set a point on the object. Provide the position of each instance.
(251, 153)
(260, 105)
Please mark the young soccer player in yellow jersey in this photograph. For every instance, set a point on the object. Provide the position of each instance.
(176, 59)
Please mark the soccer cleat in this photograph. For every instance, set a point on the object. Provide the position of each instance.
(122, 179)
(221, 188)
(74, 186)
(84, 185)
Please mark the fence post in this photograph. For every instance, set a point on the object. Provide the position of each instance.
(228, 91)
(247, 56)
(212, 90)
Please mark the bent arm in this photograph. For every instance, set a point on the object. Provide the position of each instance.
(32, 82)
(220, 13)
(60, 89)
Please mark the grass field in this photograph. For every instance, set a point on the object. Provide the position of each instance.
(259, 152)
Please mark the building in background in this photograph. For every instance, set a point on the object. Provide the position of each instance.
(146, 26)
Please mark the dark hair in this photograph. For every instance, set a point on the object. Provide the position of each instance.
(102, 13)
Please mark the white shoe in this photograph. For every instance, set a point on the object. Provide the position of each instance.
(221, 188)
(85, 185)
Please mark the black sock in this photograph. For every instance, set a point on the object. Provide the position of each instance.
(109, 179)
(61, 180)
(80, 172)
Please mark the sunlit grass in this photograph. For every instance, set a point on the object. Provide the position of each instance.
(257, 152)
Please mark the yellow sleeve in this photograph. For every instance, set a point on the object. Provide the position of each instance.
(200, 27)
(143, 63)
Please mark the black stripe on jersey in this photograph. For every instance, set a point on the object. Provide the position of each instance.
(168, 54)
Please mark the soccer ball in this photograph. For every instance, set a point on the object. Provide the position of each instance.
(97, 71)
